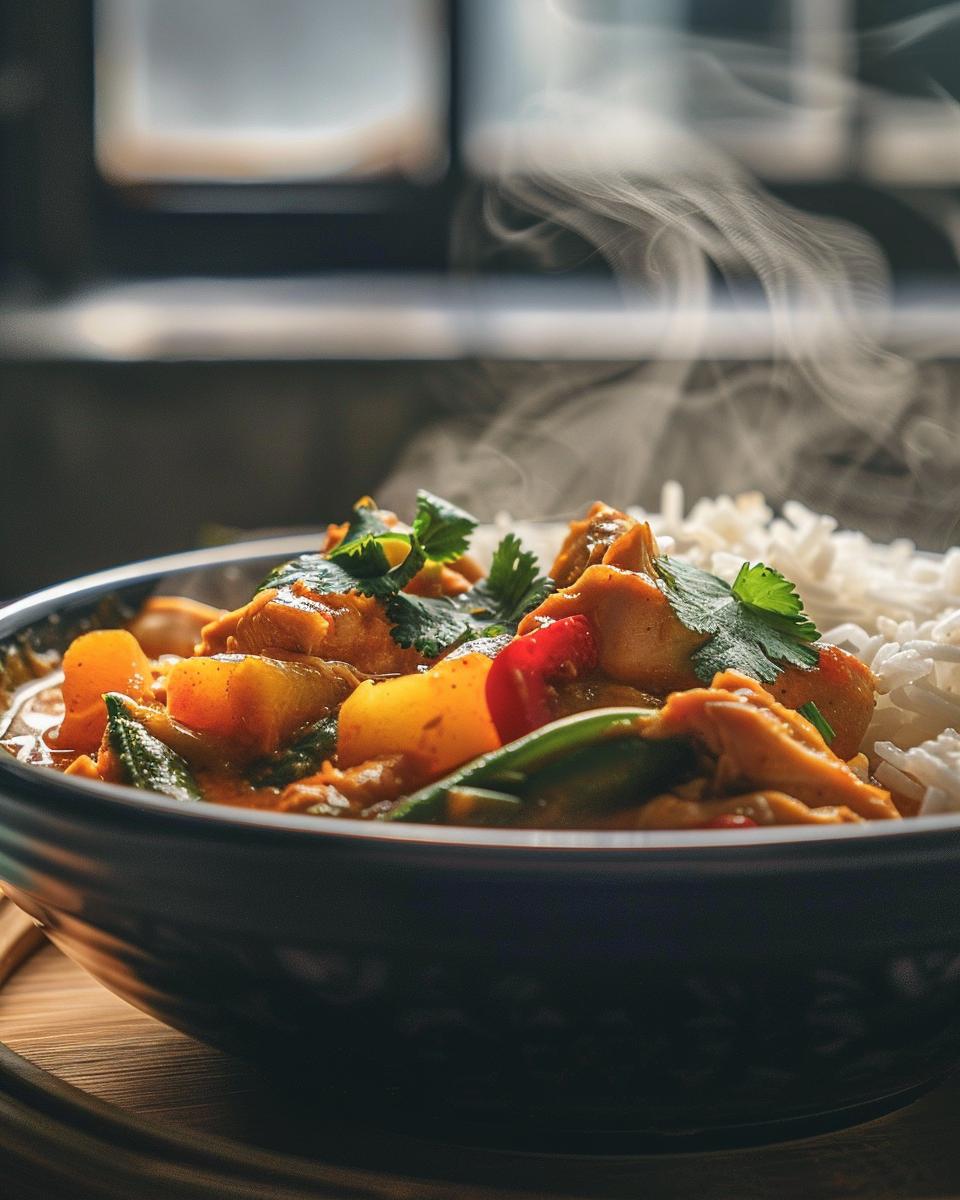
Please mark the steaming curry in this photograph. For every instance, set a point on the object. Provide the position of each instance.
(389, 678)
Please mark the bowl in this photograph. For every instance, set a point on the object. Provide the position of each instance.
(700, 987)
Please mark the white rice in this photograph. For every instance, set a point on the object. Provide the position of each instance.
(894, 607)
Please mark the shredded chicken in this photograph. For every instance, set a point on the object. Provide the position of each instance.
(351, 628)
(754, 743)
(359, 791)
(672, 811)
(639, 638)
(643, 643)
(588, 541)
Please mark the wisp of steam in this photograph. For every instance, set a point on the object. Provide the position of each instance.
(830, 416)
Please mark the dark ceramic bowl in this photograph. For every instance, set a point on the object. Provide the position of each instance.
(666, 984)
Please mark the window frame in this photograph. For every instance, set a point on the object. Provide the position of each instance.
(62, 225)
(70, 223)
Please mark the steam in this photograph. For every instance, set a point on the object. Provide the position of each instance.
(834, 418)
(897, 35)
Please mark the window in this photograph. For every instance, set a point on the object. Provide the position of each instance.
(243, 91)
(255, 137)
(589, 84)
(910, 70)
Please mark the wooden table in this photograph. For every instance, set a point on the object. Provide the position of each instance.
(157, 1114)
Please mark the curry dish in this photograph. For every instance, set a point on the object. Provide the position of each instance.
(387, 677)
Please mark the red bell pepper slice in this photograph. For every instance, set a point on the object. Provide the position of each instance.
(517, 688)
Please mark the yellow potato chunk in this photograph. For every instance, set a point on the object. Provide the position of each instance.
(440, 717)
(106, 660)
(257, 703)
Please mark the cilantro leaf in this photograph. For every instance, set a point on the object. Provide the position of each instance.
(818, 721)
(384, 585)
(494, 605)
(363, 568)
(430, 624)
(363, 557)
(366, 521)
(362, 563)
(756, 626)
(360, 552)
(442, 529)
(513, 587)
(766, 591)
(317, 572)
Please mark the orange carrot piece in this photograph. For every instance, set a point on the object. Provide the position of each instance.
(106, 660)
(255, 702)
(84, 766)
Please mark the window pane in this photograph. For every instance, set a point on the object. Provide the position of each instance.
(910, 62)
(535, 67)
(589, 84)
(247, 91)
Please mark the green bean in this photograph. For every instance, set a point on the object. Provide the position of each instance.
(480, 806)
(145, 761)
(511, 768)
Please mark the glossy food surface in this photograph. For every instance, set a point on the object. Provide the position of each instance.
(388, 678)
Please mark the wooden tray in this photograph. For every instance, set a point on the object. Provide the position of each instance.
(98, 1100)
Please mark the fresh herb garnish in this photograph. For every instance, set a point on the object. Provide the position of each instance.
(818, 721)
(366, 520)
(431, 624)
(767, 592)
(492, 606)
(370, 561)
(441, 529)
(146, 761)
(377, 561)
(514, 585)
(315, 571)
(756, 626)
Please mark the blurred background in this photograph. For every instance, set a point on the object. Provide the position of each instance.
(253, 251)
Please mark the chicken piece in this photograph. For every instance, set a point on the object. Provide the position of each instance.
(343, 628)
(841, 687)
(360, 791)
(643, 643)
(587, 541)
(594, 691)
(671, 811)
(757, 743)
(171, 625)
(640, 640)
